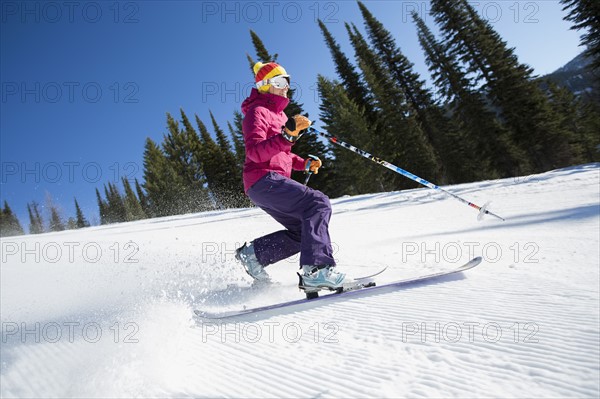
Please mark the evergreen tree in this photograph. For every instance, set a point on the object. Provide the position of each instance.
(102, 208)
(251, 62)
(179, 150)
(479, 146)
(237, 134)
(55, 221)
(180, 168)
(589, 128)
(460, 39)
(261, 51)
(143, 198)
(355, 87)
(419, 99)
(521, 104)
(217, 176)
(399, 136)
(225, 147)
(36, 224)
(164, 186)
(133, 207)
(343, 118)
(352, 100)
(446, 71)
(584, 14)
(2, 223)
(116, 204)
(71, 224)
(81, 221)
(580, 117)
(184, 151)
(9, 223)
(232, 173)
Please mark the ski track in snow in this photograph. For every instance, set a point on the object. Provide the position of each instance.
(524, 323)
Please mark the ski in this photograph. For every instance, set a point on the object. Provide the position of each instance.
(370, 275)
(352, 289)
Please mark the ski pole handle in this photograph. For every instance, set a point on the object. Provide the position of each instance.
(307, 169)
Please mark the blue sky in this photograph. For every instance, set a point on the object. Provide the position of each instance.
(84, 83)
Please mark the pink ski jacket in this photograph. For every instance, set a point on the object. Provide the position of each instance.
(266, 149)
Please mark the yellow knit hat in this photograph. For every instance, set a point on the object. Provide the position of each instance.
(267, 71)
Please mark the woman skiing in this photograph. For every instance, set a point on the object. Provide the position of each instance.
(269, 136)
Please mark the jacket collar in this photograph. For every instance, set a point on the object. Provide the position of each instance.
(273, 102)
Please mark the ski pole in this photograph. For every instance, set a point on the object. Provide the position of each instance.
(308, 175)
(482, 209)
(307, 170)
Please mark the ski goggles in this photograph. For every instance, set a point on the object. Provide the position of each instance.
(279, 82)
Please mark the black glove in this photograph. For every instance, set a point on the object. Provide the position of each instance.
(294, 128)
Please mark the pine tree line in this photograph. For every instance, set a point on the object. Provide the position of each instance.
(192, 172)
(118, 207)
(11, 226)
(492, 118)
(188, 172)
(9, 223)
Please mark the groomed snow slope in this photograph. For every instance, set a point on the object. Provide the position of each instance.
(108, 311)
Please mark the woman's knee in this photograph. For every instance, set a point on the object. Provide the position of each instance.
(321, 201)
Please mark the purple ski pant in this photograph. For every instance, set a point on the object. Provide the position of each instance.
(305, 214)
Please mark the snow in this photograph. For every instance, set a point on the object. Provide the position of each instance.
(108, 311)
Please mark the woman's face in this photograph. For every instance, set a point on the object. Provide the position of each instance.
(278, 92)
(279, 85)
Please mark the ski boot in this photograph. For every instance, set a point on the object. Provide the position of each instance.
(315, 278)
(245, 254)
